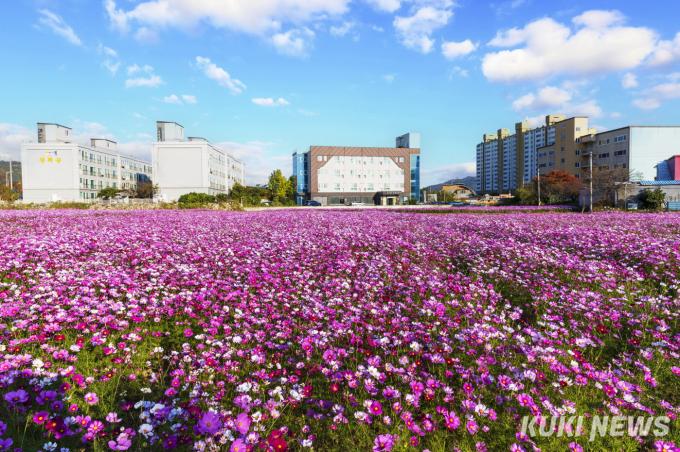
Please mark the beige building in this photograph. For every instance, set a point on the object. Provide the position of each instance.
(506, 162)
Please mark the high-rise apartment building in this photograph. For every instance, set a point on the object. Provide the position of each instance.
(340, 175)
(194, 165)
(506, 162)
(58, 169)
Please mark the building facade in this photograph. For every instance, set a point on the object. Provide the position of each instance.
(57, 169)
(194, 165)
(459, 190)
(506, 162)
(340, 175)
(668, 169)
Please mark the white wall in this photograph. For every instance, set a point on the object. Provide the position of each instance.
(42, 178)
(651, 145)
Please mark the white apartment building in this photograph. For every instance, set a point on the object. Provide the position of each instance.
(195, 165)
(505, 161)
(57, 169)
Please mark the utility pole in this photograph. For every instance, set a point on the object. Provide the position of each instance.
(538, 183)
(590, 157)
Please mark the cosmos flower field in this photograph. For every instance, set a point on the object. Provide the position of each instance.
(334, 331)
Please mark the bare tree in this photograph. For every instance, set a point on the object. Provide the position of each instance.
(607, 181)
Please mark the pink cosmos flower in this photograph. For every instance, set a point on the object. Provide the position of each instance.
(91, 398)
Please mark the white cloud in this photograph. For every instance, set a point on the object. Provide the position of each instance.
(57, 24)
(294, 42)
(389, 6)
(342, 30)
(134, 68)
(666, 52)
(546, 98)
(507, 7)
(629, 81)
(270, 102)
(444, 173)
(256, 17)
(453, 50)
(307, 112)
(615, 115)
(600, 44)
(189, 99)
(653, 97)
(147, 36)
(389, 78)
(11, 137)
(260, 162)
(153, 81)
(458, 71)
(172, 100)
(112, 67)
(217, 73)
(107, 51)
(588, 108)
(137, 115)
(378, 29)
(415, 31)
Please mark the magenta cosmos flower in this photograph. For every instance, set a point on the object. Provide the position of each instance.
(242, 423)
(210, 423)
(384, 443)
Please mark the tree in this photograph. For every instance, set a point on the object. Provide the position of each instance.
(193, 197)
(606, 182)
(108, 193)
(146, 190)
(558, 186)
(9, 195)
(278, 184)
(653, 199)
(292, 189)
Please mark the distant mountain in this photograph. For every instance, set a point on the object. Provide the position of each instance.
(470, 181)
(16, 171)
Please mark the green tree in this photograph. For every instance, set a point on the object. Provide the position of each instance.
(278, 184)
(653, 199)
(108, 193)
(196, 198)
(292, 188)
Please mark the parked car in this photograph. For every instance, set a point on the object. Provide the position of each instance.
(311, 203)
(358, 203)
(456, 203)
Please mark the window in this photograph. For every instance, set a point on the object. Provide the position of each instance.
(319, 158)
(603, 142)
(542, 165)
(542, 154)
(562, 149)
(387, 173)
(564, 124)
(387, 186)
(336, 173)
(561, 160)
(319, 172)
(578, 175)
(370, 173)
(352, 173)
(577, 152)
(336, 187)
(354, 187)
(336, 158)
(578, 129)
(603, 167)
(352, 160)
(562, 136)
(619, 153)
(603, 155)
(620, 138)
(551, 164)
(369, 160)
(551, 152)
(578, 140)
(370, 187)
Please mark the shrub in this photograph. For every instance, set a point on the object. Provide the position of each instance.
(194, 198)
(653, 199)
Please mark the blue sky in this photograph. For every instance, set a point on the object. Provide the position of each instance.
(262, 78)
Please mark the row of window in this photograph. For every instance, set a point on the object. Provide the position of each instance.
(93, 184)
(365, 160)
(355, 173)
(355, 187)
